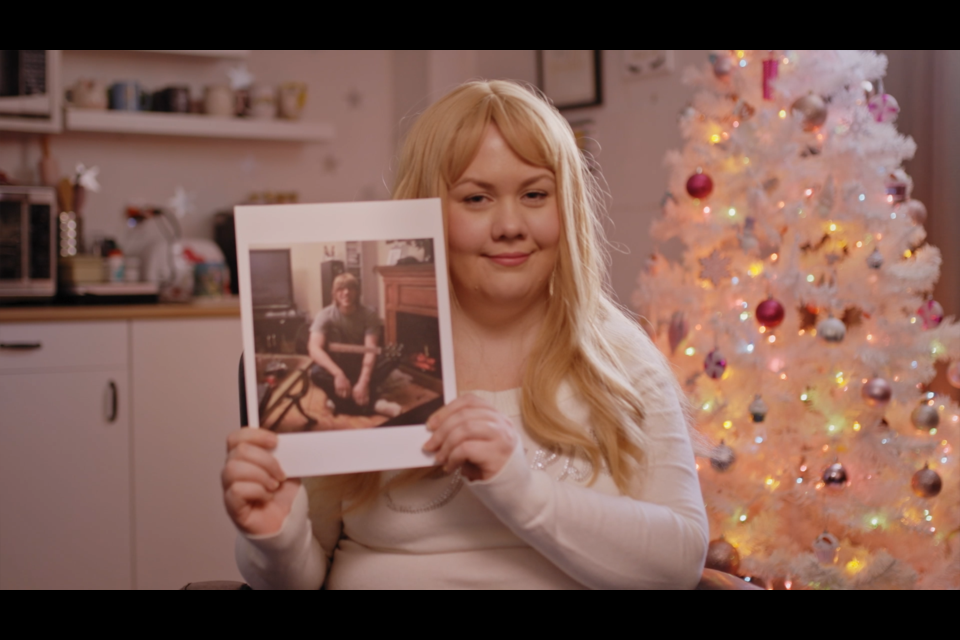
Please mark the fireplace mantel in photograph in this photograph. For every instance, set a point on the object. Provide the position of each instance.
(410, 292)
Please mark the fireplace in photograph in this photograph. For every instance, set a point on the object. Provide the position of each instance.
(420, 337)
(410, 319)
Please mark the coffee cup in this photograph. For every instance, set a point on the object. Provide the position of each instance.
(292, 96)
(218, 100)
(263, 102)
(88, 94)
(126, 95)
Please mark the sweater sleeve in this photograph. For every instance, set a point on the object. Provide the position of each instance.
(297, 556)
(656, 539)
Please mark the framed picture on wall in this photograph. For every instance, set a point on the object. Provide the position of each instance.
(571, 78)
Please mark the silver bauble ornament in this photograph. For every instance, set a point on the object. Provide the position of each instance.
(722, 66)
(835, 476)
(926, 483)
(953, 374)
(722, 556)
(758, 409)
(813, 109)
(826, 547)
(875, 259)
(877, 392)
(722, 457)
(925, 417)
(917, 211)
(831, 329)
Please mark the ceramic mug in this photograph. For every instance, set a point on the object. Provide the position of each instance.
(263, 101)
(292, 96)
(89, 94)
(126, 95)
(218, 100)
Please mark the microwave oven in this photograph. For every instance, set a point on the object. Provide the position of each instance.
(28, 245)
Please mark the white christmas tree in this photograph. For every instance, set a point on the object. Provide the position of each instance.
(800, 324)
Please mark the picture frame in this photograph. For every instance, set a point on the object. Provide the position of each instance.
(571, 78)
(301, 329)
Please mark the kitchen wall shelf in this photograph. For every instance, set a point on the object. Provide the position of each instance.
(191, 125)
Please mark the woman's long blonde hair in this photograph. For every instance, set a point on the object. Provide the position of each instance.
(584, 339)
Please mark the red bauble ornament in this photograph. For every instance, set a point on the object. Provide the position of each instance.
(699, 185)
(770, 313)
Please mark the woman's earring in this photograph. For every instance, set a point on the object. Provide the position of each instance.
(553, 276)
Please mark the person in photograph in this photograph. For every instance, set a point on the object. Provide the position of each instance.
(566, 461)
(349, 377)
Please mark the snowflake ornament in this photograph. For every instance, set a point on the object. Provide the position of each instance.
(182, 202)
(715, 267)
(240, 77)
(87, 178)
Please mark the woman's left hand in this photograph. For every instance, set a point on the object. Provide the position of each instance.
(471, 434)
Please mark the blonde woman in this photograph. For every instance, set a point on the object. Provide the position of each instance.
(565, 461)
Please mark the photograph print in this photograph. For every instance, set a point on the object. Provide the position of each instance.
(350, 335)
(344, 339)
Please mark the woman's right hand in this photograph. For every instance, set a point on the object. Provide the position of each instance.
(257, 494)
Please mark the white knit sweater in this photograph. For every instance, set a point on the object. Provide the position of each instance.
(535, 525)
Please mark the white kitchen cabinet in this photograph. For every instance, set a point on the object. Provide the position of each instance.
(97, 497)
(65, 499)
(185, 402)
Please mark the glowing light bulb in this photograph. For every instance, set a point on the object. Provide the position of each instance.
(781, 204)
(715, 138)
(743, 63)
(833, 226)
(810, 277)
(859, 244)
(706, 210)
(736, 123)
(783, 376)
(727, 424)
(893, 215)
(808, 192)
(907, 253)
(743, 518)
(762, 329)
(774, 257)
(869, 337)
(856, 426)
(731, 212)
(803, 397)
(690, 351)
(741, 52)
(750, 348)
(772, 339)
(889, 199)
(861, 197)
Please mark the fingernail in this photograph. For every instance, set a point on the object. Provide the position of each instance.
(276, 485)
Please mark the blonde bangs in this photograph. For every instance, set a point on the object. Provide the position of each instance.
(528, 136)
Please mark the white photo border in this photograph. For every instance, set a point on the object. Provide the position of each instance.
(353, 451)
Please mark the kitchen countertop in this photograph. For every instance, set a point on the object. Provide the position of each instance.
(227, 307)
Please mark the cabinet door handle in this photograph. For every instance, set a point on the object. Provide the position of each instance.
(113, 402)
(20, 346)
